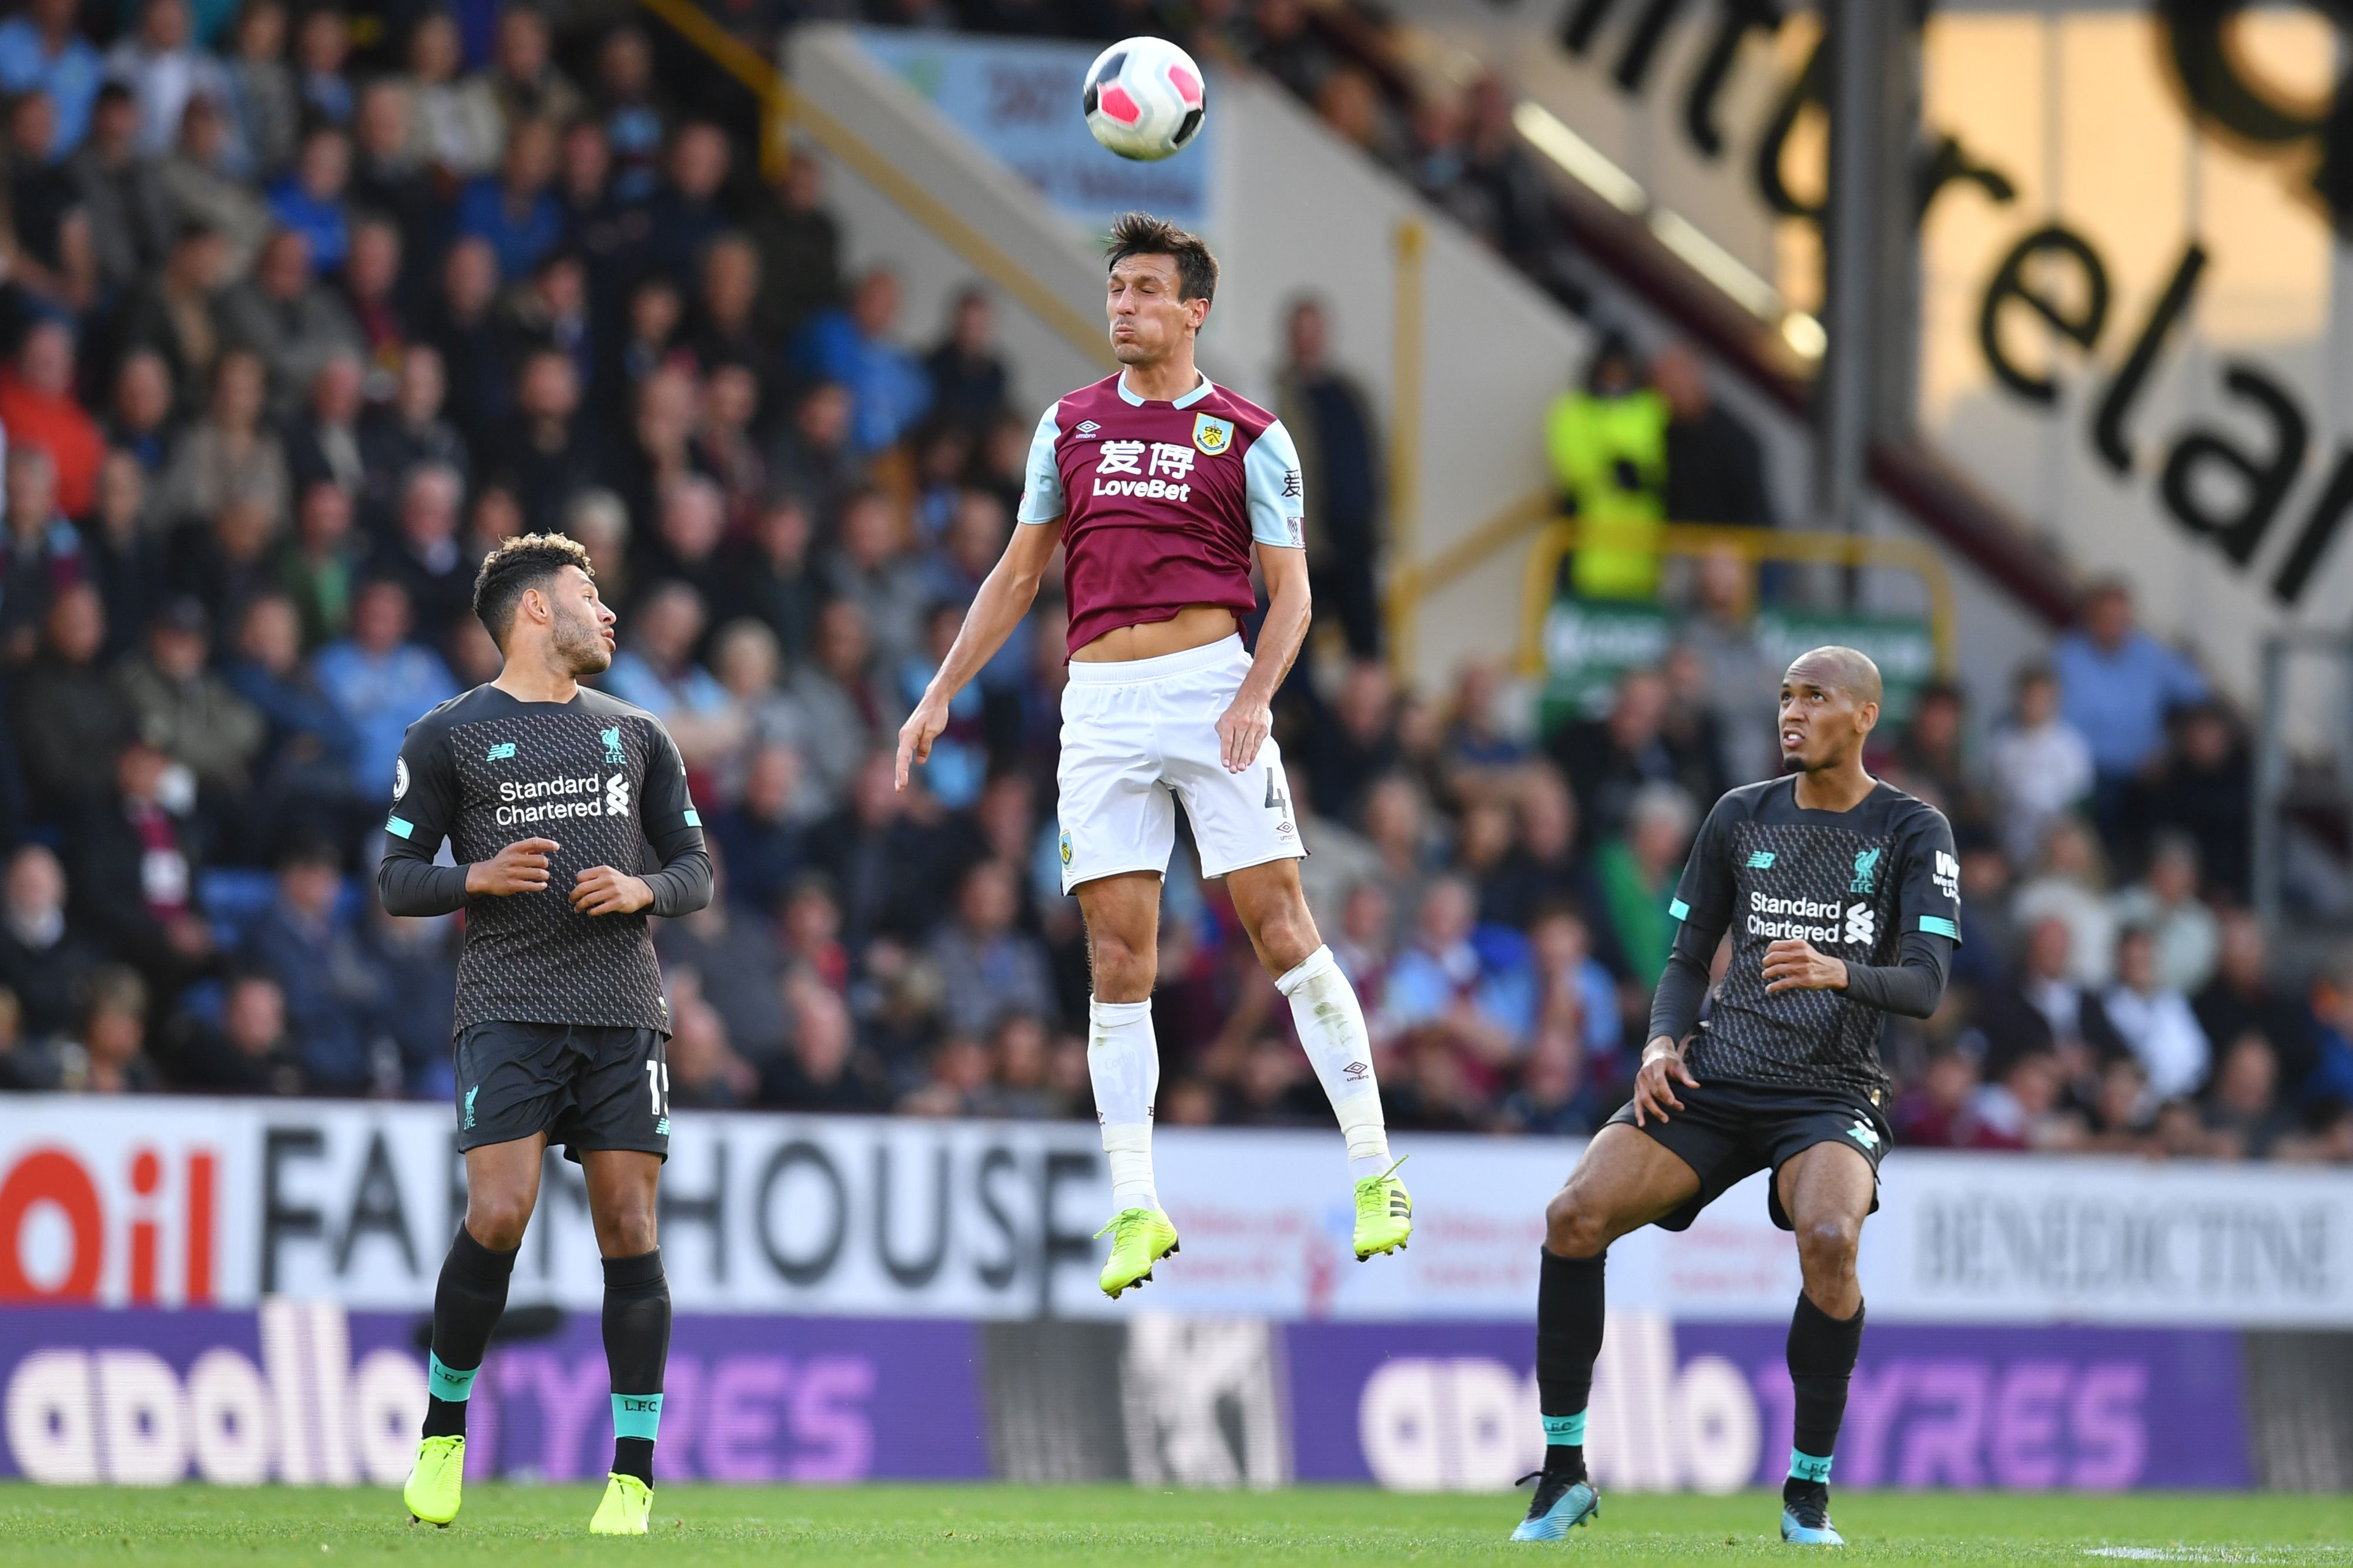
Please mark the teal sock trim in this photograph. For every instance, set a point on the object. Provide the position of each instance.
(1565, 1431)
(637, 1415)
(447, 1382)
(1809, 1466)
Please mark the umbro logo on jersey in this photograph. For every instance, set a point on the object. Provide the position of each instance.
(502, 752)
(1086, 428)
(1760, 859)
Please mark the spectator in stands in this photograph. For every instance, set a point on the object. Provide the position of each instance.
(312, 947)
(1637, 871)
(380, 682)
(723, 327)
(801, 247)
(172, 313)
(1940, 1110)
(303, 771)
(970, 384)
(129, 215)
(201, 187)
(1715, 467)
(71, 716)
(823, 1069)
(546, 456)
(1340, 461)
(687, 211)
(140, 425)
(1927, 759)
(370, 290)
(229, 456)
(761, 834)
(2166, 904)
(319, 567)
(2042, 764)
(873, 569)
(1481, 996)
(250, 1051)
(292, 322)
(632, 120)
(109, 1055)
(320, 48)
(189, 713)
(40, 412)
(847, 710)
(2204, 791)
(324, 441)
(132, 870)
(852, 346)
(309, 198)
(166, 70)
(418, 961)
(408, 431)
(456, 125)
(732, 961)
(2242, 1108)
(656, 670)
(122, 556)
(988, 967)
(1609, 760)
(703, 1067)
(2022, 1108)
(516, 212)
(2118, 684)
(2155, 1021)
(387, 176)
(464, 329)
(42, 50)
(41, 554)
(2070, 883)
(600, 521)
(2241, 999)
(46, 959)
(424, 555)
(1606, 446)
(690, 519)
(523, 74)
(263, 102)
(812, 459)
(52, 261)
(1352, 740)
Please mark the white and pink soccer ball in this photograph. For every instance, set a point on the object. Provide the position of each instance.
(1144, 98)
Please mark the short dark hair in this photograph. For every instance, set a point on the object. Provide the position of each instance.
(1141, 234)
(517, 565)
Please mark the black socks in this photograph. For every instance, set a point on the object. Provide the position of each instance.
(1822, 1350)
(637, 1348)
(466, 1304)
(1570, 1308)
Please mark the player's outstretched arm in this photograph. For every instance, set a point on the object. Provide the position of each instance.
(1003, 598)
(1242, 731)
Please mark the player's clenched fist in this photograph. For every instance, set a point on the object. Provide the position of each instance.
(1792, 966)
(601, 890)
(916, 735)
(1654, 1085)
(520, 867)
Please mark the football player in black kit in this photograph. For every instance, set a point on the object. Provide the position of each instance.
(1842, 898)
(549, 795)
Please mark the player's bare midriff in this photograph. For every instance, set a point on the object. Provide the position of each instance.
(1195, 626)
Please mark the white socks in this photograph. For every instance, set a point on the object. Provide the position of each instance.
(1331, 1024)
(1123, 1065)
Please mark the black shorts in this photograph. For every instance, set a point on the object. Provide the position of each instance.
(586, 1086)
(1729, 1131)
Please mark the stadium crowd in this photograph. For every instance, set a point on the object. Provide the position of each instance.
(293, 332)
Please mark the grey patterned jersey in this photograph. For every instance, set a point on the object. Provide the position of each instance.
(602, 779)
(1849, 882)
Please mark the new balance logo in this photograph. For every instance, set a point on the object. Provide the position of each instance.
(1861, 925)
(1760, 859)
(502, 753)
(1863, 1133)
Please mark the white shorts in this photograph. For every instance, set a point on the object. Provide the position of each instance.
(1140, 735)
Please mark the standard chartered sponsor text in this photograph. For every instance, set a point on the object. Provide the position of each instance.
(545, 799)
(1786, 919)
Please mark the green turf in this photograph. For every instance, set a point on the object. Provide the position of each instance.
(1123, 1527)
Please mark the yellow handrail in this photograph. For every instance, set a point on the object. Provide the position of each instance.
(1754, 545)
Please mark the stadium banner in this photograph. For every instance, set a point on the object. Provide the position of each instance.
(304, 1392)
(222, 1203)
(1018, 100)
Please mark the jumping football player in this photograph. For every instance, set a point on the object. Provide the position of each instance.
(1841, 895)
(1159, 485)
(548, 795)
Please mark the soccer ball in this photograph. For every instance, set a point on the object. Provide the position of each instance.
(1144, 98)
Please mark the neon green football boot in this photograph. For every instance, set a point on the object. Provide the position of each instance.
(436, 1480)
(1384, 1214)
(1139, 1239)
(627, 1503)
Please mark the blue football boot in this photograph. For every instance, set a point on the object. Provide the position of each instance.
(1558, 1506)
(1806, 1518)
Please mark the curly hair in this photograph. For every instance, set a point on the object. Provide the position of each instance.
(517, 565)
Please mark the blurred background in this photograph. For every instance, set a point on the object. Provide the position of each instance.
(1632, 348)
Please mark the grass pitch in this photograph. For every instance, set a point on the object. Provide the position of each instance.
(1118, 1527)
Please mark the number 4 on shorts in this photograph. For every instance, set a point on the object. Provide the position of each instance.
(1275, 800)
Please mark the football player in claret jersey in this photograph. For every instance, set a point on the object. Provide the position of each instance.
(549, 795)
(1842, 897)
(1160, 485)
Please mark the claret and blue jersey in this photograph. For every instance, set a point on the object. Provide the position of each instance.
(1160, 502)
